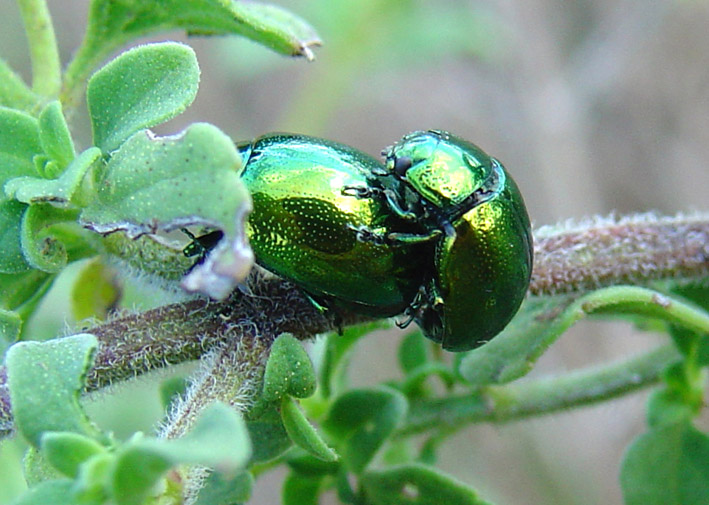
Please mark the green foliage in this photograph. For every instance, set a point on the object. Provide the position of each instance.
(44, 380)
(374, 445)
(163, 83)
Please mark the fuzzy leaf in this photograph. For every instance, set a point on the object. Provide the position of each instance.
(55, 137)
(167, 183)
(58, 192)
(268, 436)
(142, 87)
(289, 371)
(362, 420)
(19, 143)
(338, 351)
(13, 90)
(412, 352)
(668, 465)
(415, 484)
(41, 247)
(218, 440)
(18, 290)
(113, 23)
(302, 433)
(56, 492)
(95, 291)
(10, 325)
(221, 490)
(540, 322)
(67, 451)
(301, 490)
(44, 380)
(11, 260)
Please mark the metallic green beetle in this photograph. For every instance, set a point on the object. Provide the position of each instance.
(482, 261)
(313, 225)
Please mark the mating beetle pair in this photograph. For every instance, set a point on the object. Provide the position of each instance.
(439, 231)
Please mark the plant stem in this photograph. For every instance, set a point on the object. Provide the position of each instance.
(44, 52)
(644, 248)
(542, 396)
(635, 250)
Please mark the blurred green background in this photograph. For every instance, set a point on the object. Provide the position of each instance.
(593, 106)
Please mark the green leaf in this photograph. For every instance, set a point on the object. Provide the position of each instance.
(302, 433)
(218, 440)
(45, 379)
(338, 351)
(42, 249)
(413, 352)
(19, 143)
(221, 490)
(668, 406)
(668, 465)
(112, 24)
(289, 371)
(90, 484)
(10, 325)
(12, 260)
(37, 469)
(268, 436)
(303, 463)
(66, 451)
(13, 90)
(415, 484)
(22, 291)
(56, 492)
(55, 137)
(300, 490)
(171, 390)
(95, 292)
(142, 87)
(540, 322)
(362, 420)
(167, 183)
(58, 192)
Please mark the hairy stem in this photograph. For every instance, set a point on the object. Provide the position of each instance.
(46, 66)
(541, 396)
(633, 250)
(636, 249)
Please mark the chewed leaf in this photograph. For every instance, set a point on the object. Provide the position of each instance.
(142, 87)
(166, 183)
(45, 379)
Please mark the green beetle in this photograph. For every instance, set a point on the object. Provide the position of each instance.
(482, 261)
(317, 221)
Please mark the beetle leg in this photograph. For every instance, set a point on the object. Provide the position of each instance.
(360, 191)
(415, 308)
(396, 238)
(394, 204)
(364, 234)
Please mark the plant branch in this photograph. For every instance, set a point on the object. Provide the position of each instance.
(541, 396)
(44, 52)
(633, 250)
